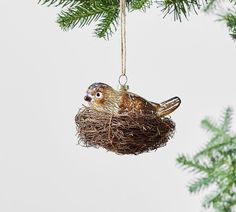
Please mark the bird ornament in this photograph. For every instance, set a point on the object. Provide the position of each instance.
(102, 97)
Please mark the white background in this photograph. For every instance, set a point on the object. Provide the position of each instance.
(44, 75)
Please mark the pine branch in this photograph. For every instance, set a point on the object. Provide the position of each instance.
(194, 166)
(210, 148)
(57, 3)
(140, 4)
(214, 196)
(221, 139)
(230, 19)
(226, 15)
(227, 119)
(210, 126)
(81, 15)
(216, 164)
(218, 199)
(179, 7)
(108, 23)
(105, 12)
(84, 13)
(200, 183)
(210, 6)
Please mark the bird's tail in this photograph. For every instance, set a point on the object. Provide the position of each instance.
(168, 106)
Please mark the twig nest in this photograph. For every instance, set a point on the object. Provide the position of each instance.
(127, 133)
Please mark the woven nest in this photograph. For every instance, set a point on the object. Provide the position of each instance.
(128, 133)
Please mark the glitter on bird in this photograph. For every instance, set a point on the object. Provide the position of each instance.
(103, 97)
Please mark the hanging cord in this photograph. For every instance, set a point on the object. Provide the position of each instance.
(123, 36)
(123, 76)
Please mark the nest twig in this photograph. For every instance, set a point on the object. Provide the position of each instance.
(127, 133)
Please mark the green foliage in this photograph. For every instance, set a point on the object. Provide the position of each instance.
(227, 15)
(179, 7)
(63, 3)
(106, 12)
(215, 165)
(140, 4)
(84, 13)
(230, 19)
(110, 19)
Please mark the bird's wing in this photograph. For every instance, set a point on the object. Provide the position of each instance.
(134, 102)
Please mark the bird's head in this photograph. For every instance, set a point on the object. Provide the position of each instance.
(99, 95)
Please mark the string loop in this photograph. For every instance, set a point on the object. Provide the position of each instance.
(123, 79)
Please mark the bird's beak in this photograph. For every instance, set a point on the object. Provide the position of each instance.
(87, 98)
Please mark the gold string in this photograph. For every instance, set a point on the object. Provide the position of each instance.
(123, 36)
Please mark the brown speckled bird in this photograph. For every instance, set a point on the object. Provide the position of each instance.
(103, 97)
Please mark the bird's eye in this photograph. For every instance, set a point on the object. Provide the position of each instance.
(98, 94)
